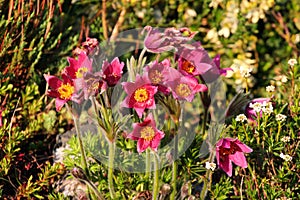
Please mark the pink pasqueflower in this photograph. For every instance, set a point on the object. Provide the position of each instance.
(183, 87)
(140, 95)
(193, 60)
(214, 73)
(157, 41)
(112, 72)
(254, 107)
(146, 134)
(77, 68)
(230, 150)
(62, 90)
(157, 73)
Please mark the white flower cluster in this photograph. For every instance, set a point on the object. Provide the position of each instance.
(245, 71)
(280, 117)
(285, 138)
(257, 107)
(292, 62)
(241, 118)
(270, 88)
(211, 166)
(286, 157)
(267, 107)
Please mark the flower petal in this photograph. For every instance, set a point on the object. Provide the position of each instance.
(239, 159)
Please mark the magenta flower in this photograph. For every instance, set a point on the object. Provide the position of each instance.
(215, 71)
(62, 90)
(230, 150)
(193, 60)
(91, 85)
(112, 72)
(146, 134)
(140, 95)
(157, 74)
(183, 87)
(77, 68)
(157, 41)
(254, 107)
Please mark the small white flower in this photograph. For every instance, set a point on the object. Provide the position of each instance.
(292, 62)
(256, 106)
(280, 117)
(270, 88)
(241, 118)
(286, 158)
(245, 72)
(285, 139)
(211, 166)
(267, 107)
(284, 79)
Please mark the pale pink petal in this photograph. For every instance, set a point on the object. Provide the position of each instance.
(142, 145)
(239, 159)
(59, 103)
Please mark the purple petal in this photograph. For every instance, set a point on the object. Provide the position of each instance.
(239, 159)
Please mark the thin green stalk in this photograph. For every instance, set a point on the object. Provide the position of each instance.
(94, 189)
(204, 121)
(208, 178)
(175, 164)
(148, 166)
(246, 133)
(156, 177)
(278, 132)
(111, 157)
(83, 155)
(174, 169)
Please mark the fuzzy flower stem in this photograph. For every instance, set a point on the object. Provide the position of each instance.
(175, 164)
(147, 173)
(204, 121)
(111, 157)
(156, 176)
(208, 177)
(83, 155)
(246, 134)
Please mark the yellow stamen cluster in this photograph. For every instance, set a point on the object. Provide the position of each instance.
(188, 67)
(80, 72)
(141, 95)
(155, 76)
(65, 91)
(182, 90)
(147, 133)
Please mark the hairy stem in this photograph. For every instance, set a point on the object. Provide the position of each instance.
(111, 156)
(156, 177)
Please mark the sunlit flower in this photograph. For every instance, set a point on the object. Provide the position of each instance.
(254, 107)
(285, 138)
(245, 72)
(184, 87)
(193, 60)
(215, 71)
(280, 117)
(62, 90)
(230, 150)
(157, 41)
(146, 134)
(267, 108)
(77, 68)
(112, 72)
(211, 166)
(157, 74)
(286, 157)
(270, 88)
(292, 62)
(140, 95)
(241, 118)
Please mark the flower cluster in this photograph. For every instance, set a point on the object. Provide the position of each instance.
(79, 82)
